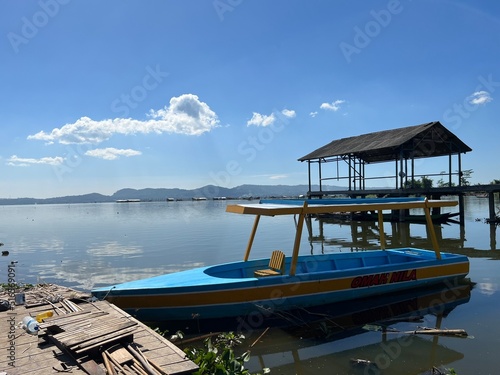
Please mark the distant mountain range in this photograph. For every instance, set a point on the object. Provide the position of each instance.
(162, 194)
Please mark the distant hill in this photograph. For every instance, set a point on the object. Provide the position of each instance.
(161, 194)
(212, 191)
(86, 198)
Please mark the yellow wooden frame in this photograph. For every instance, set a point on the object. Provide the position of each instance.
(269, 209)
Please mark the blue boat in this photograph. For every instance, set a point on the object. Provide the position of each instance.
(284, 282)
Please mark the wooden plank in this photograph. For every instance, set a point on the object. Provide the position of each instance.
(95, 326)
(82, 347)
(89, 323)
(72, 318)
(95, 334)
(58, 319)
(120, 354)
(91, 367)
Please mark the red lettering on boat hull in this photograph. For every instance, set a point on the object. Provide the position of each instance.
(384, 278)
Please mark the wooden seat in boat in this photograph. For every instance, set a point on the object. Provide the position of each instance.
(276, 265)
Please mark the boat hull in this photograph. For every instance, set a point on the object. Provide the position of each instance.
(231, 289)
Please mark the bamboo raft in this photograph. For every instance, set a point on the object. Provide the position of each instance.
(82, 337)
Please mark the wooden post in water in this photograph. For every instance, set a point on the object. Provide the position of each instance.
(381, 229)
(461, 209)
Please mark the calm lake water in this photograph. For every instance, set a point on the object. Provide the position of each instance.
(89, 245)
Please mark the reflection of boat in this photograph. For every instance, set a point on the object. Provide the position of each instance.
(316, 337)
(233, 289)
(128, 200)
(436, 218)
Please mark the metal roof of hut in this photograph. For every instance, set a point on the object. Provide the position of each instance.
(426, 140)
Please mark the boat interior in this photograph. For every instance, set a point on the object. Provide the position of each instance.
(327, 262)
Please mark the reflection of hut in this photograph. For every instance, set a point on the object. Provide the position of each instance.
(400, 146)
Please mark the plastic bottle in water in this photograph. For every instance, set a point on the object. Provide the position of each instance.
(30, 325)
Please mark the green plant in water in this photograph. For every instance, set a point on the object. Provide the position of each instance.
(17, 286)
(218, 357)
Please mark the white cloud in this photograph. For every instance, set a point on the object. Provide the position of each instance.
(261, 120)
(16, 161)
(334, 106)
(185, 114)
(290, 113)
(278, 177)
(111, 153)
(313, 114)
(480, 97)
(266, 120)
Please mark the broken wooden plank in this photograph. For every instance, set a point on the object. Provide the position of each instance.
(91, 367)
(103, 341)
(120, 354)
(94, 334)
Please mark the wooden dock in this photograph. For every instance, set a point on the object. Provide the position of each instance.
(82, 337)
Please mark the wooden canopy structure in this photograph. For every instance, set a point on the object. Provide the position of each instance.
(401, 146)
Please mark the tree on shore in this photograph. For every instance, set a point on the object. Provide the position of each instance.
(423, 183)
(465, 176)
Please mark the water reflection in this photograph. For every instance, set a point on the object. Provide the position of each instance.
(114, 249)
(329, 339)
(364, 235)
(487, 288)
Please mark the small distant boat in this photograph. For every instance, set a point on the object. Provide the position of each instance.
(199, 198)
(294, 281)
(127, 200)
(170, 199)
(219, 198)
(481, 195)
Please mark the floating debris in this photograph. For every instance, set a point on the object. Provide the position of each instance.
(363, 363)
(461, 333)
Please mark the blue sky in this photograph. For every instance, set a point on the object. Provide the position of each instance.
(102, 95)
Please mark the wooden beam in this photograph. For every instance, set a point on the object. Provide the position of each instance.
(298, 236)
(252, 236)
(430, 229)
